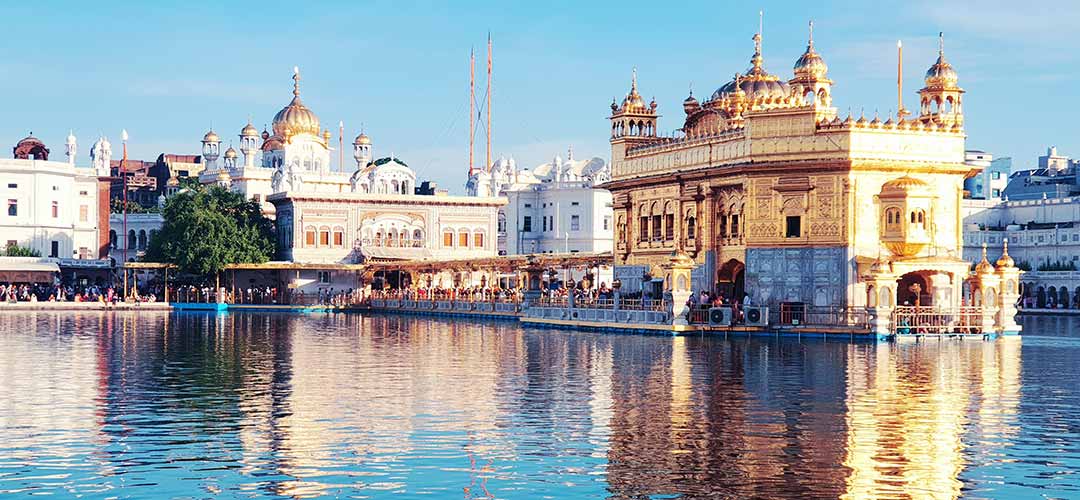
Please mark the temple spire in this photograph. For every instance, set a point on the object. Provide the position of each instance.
(296, 81)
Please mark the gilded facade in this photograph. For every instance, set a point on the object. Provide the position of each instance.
(770, 190)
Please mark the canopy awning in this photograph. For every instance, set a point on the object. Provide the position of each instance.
(27, 270)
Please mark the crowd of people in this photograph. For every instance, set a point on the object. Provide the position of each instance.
(40, 292)
(474, 293)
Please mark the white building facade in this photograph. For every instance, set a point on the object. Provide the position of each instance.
(53, 207)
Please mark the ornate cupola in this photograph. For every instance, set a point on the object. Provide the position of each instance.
(633, 119)
(941, 101)
(211, 148)
(249, 144)
(690, 105)
(31, 148)
(362, 150)
(811, 80)
(906, 217)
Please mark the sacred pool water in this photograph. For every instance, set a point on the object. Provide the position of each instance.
(159, 405)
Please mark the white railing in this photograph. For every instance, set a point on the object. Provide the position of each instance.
(929, 320)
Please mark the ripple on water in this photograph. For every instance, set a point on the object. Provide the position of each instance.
(277, 405)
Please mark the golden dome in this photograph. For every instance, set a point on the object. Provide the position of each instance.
(905, 186)
(296, 118)
(941, 74)
(1005, 261)
(211, 136)
(362, 139)
(230, 153)
(810, 64)
(757, 82)
(984, 267)
(633, 102)
(249, 131)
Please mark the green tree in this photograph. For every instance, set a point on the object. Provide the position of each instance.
(18, 251)
(207, 228)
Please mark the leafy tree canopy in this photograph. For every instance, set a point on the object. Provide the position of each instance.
(209, 227)
(18, 251)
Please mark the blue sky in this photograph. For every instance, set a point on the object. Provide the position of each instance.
(166, 72)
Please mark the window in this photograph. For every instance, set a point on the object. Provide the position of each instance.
(575, 223)
(544, 219)
(995, 175)
(55, 209)
(1076, 237)
(324, 277)
(478, 240)
(644, 225)
(56, 188)
(996, 193)
(574, 203)
(84, 253)
(528, 205)
(448, 237)
(12, 186)
(309, 237)
(551, 222)
(691, 227)
(794, 226)
(669, 227)
(84, 213)
(324, 237)
(734, 224)
(607, 222)
(463, 239)
(526, 224)
(339, 236)
(54, 249)
(13, 208)
(656, 228)
(82, 193)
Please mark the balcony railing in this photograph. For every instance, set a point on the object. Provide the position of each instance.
(929, 320)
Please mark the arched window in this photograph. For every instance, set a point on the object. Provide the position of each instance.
(112, 238)
(142, 239)
(448, 238)
(643, 224)
(309, 236)
(391, 238)
(691, 227)
(378, 238)
(324, 236)
(339, 236)
(395, 186)
(131, 241)
(463, 238)
(418, 238)
(478, 239)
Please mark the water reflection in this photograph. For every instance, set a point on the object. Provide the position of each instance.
(298, 406)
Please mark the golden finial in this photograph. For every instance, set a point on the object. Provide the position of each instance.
(941, 43)
(633, 80)
(296, 81)
(811, 34)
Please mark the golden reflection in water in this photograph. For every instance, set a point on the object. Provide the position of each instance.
(907, 413)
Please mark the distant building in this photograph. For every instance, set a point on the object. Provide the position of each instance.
(57, 208)
(1055, 177)
(992, 179)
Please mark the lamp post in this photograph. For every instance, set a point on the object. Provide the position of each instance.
(123, 174)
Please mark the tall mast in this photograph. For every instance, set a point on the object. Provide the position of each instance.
(900, 111)
(472, 108)
(341, 146)
(487, 165)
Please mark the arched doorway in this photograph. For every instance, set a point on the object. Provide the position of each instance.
(913, 290)
(1040, 297)
(731, 280)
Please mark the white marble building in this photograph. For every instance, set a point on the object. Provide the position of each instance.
(553, 208)
(54, 207)
(294, 156)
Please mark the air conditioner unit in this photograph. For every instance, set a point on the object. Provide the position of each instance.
(720, 316)
(756, 316)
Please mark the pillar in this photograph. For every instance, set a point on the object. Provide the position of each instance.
(680, 266)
